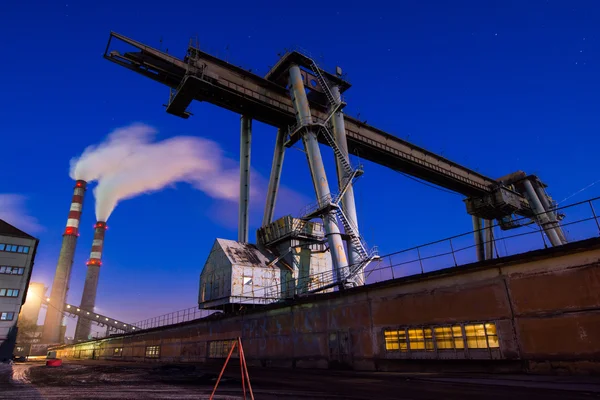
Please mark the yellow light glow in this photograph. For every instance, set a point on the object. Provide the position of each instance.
(68, 306)
(107, 319)
(88, 313)
(78, 310)
(47, 298)
(97, 316)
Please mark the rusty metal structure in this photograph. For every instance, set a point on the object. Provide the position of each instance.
(305, 103)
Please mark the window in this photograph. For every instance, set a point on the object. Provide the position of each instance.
(492, 336)
(247, 280)
(443, 337)
(7, 316)
(475, 335)
(421, 339)
(221, 348)
(13, 248)
(11, 270)
(478, 336)
(152, 351)
(9, 292)
(118, 352)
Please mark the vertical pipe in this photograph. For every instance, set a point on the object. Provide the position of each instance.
(541, 214)
(489, 238)
(88, 298)
(478, 233)
(339, 132)
(245, 146)
(317, 170)
(543, 196)
(62, 276)
(274, 178)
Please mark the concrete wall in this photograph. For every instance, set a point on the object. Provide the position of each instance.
(545, 306)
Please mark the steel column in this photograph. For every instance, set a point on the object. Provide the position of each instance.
(245, 146)
(541, 193)
(348, 204)
(542, 217)
(317, 170)
(276, 168)
(489, 238)
(478, 234)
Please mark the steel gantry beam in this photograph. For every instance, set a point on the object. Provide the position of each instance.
(203, 77)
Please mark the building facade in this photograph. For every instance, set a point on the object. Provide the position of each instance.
(17, 254)
(538, 311)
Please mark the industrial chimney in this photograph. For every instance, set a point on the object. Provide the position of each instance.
(88, 299)
(60, 286)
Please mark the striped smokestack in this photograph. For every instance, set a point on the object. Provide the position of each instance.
(88, 299)
(60, 285)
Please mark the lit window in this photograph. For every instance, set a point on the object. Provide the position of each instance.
(392, 339)
(443, 338)
(416, 339)
(429, 346)
(118, 351)
(476, 337)
(2, 246)
(2, 292)
(152, 351)
(459, 343)
(492, 335)
(7, 316)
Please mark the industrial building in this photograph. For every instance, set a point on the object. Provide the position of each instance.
(537, 311)
(300, 296)
(17, 255)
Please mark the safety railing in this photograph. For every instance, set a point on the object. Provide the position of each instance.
(188, 314)
(581, 222)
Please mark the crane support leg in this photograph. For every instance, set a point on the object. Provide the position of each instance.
(274, 178)
(245, 146)
(317, 170)
(478, 234)
(542, 216)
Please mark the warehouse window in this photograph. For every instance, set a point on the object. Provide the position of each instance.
(7, 316)
(152, 351)
(11, 270)
(477, 336)
(221, 348)
(9, 292)
(118, 351)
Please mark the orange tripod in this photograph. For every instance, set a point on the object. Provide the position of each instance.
(243, 368)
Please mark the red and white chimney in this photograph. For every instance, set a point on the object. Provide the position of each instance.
(62, 276)
(98, 243)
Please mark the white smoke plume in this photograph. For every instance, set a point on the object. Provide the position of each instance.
(13, 211)
(129, 163)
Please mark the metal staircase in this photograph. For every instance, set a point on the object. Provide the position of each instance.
(332, 202)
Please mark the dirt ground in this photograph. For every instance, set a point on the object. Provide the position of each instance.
(109, 380)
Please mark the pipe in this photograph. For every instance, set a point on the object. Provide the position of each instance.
(542, 216)
(88, 298)
(317, 171)
(275, 177)
(543, 196)
(488, 230)
(478, 234)
(245, 148)
(62, 276)
(348, 203)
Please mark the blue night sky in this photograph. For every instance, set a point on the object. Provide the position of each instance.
(496, 85)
